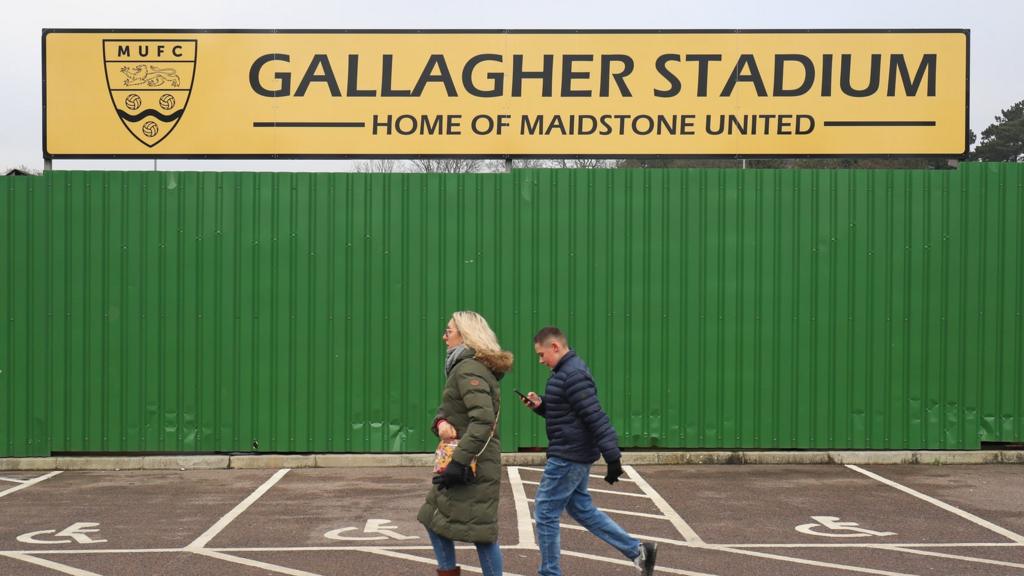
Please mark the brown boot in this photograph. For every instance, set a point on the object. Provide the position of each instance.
(453, 572)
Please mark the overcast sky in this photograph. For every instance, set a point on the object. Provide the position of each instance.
(997, 72)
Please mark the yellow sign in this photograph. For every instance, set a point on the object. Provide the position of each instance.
(266, 94)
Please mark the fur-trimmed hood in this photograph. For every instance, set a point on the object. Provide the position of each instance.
(499, 362)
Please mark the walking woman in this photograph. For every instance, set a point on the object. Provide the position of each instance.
(463, 505)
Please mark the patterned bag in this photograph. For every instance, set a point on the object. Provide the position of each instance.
(446, 450)
(443, 455)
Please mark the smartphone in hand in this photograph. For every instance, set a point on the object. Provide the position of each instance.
(526, 400)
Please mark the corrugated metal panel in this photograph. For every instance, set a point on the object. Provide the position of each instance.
(717, 308)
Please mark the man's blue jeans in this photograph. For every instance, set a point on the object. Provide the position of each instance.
(564, 487)
(444, 551)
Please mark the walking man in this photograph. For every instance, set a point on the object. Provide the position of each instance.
(579, 432)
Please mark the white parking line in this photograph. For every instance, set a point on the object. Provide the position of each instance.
(625, 512)
(624, 562)
(806, 562)
(63, 568)
(15, 480)
(598, 490)
(684, 529)
(903, 546)
(422, 560)
(642, 537)
(667, 512)
(598, 476)
(212, 532)
(336, 548)
(875, 545)
(951, 556)
(100, 551)
(28, 483)
(947, 507)
(526, 536)
(253, 563)
(458, 546)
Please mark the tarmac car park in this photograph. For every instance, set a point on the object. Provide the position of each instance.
(708, 520)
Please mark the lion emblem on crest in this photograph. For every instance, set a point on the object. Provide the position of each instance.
(149, 75)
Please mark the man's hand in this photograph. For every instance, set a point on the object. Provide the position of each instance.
(455, 474)
(614, 471)
(446, 431)
(532, 401)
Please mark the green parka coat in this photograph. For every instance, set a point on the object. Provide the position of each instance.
(471, 402)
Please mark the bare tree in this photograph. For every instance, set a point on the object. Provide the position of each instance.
(470, 165)
(451, 165)
(570, 163)
(574, 163)
(379, 166)
(525, 163)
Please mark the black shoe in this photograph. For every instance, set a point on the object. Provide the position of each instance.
(647, 558)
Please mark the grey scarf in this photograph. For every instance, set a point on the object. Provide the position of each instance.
(454, 355)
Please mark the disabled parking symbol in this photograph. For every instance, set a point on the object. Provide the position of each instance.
(77, 532)
(373, 526)
(837, 529)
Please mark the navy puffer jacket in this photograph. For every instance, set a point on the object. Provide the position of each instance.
(578, 429)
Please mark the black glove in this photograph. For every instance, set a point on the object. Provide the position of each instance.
(614, 471)
(455, 474)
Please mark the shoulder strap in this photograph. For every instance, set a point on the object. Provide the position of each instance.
(493, 428)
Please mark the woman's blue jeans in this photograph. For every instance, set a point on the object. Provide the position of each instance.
(564, 487)
(444, 551)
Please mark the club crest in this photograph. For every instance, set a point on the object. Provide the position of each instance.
(150, 82)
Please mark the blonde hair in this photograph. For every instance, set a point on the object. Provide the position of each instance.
(475, 331)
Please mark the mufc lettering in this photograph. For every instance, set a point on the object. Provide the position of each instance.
(143, 50)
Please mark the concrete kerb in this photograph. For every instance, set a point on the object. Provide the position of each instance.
(671, 458)
(258, 461)
(214, 462)
(358, 460)
(868, 457)
(639, 458)
(99, 463)
(1012, 456)
(13, 464)
(524, 459)
(953, 457)
(250, 461)
(787, 458)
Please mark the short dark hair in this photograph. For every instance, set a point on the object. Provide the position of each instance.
(548, 333)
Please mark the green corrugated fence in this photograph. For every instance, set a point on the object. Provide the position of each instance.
(717, 308)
